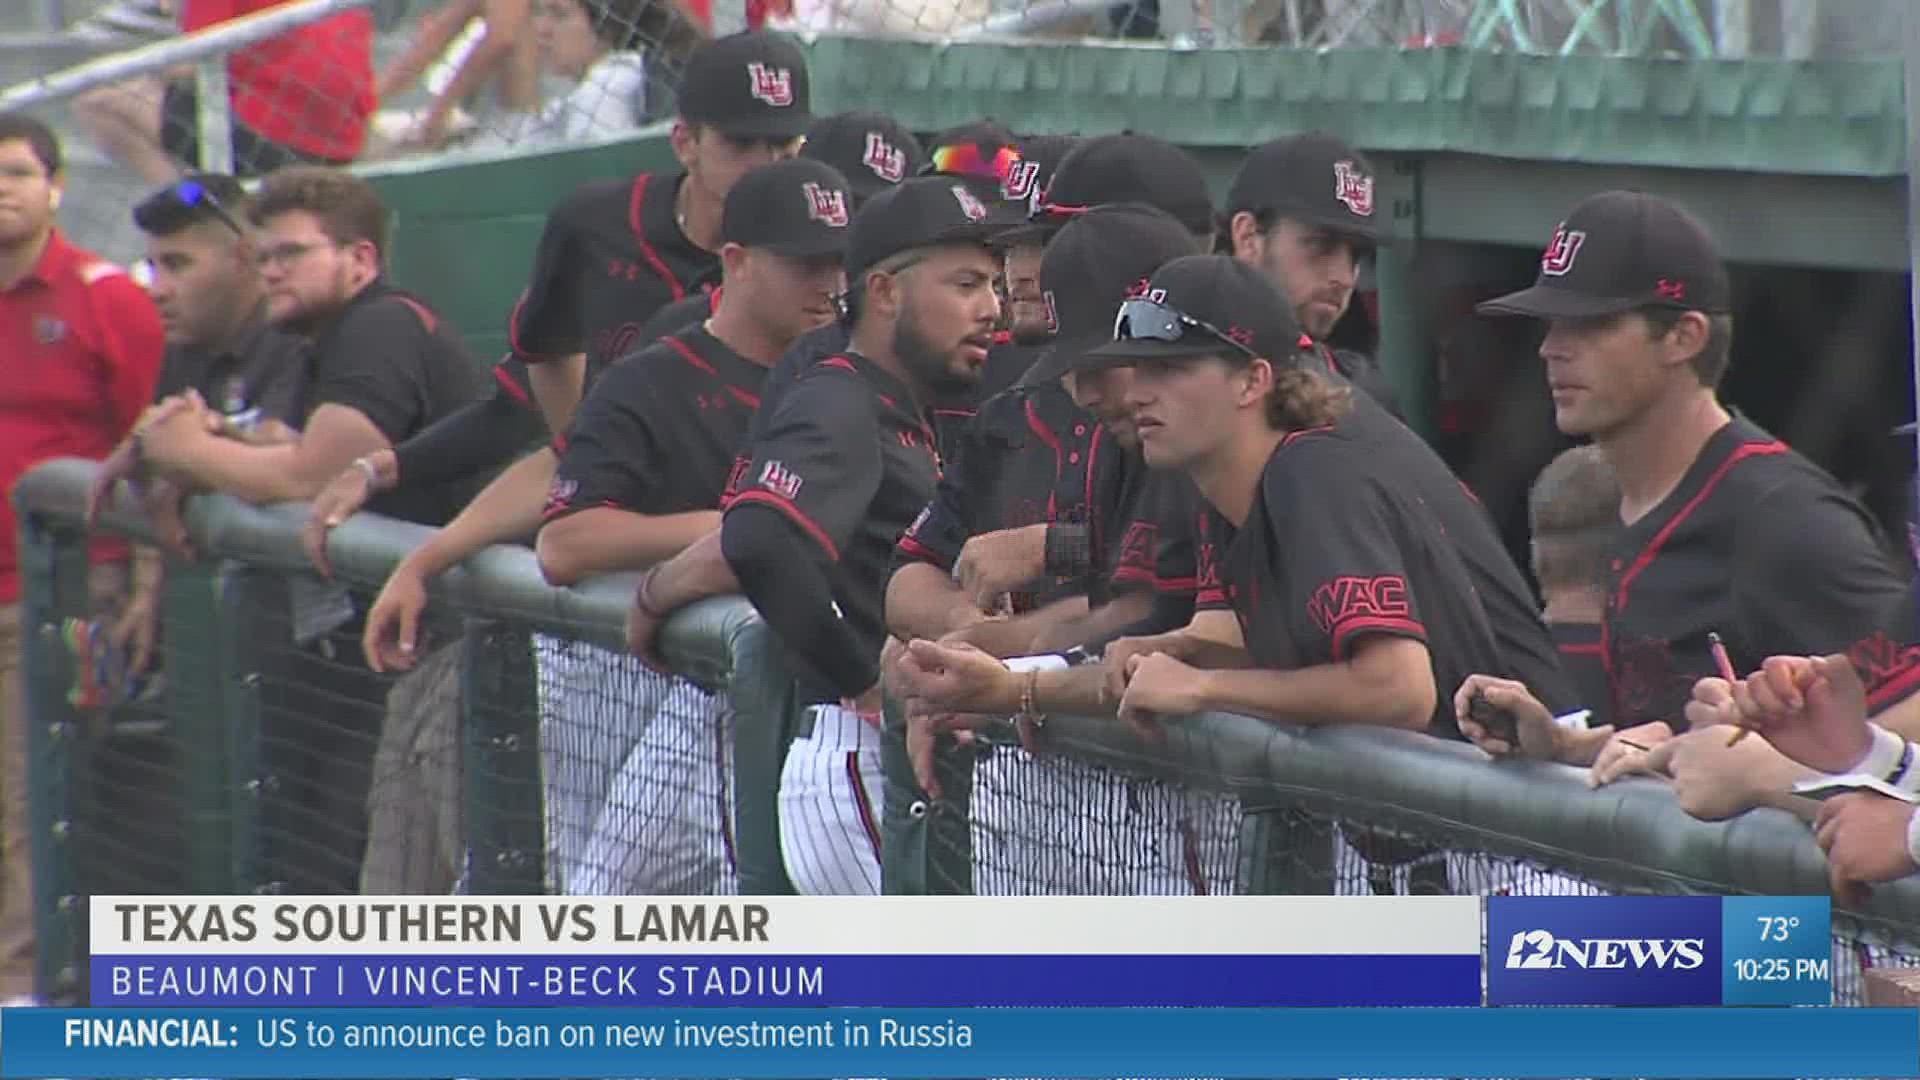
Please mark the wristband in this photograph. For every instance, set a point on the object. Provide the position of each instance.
(1068, 549)
(365, 464)
(1882, 757)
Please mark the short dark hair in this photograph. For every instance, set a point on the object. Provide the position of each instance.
(349, 209)
(37, 135)
(1573, 512)
(1713, 359)
(166, 212)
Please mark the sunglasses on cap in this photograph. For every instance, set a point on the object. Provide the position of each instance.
(1151, 320)
(968, 159)
(193, 194)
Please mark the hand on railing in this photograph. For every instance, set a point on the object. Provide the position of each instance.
(1630, 753)
(1813, 709)
(1535, 735)
(340, 500)
(392, 633)
(1865, 837)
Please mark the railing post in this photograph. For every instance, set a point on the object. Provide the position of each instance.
(927, 846)
(196, 606)
(214, 115)
(243, 598)
(53, 582)
(506, 834)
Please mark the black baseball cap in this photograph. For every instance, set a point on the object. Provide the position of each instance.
(1122, 168)
(1316, 179)
(796, 207)
(1622, 250)
(1201, 305)
(1094, 263)
(873, 151)
(922, 212)
(1040, 158)
(748, 85)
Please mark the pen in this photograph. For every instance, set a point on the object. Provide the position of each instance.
(1721, 661)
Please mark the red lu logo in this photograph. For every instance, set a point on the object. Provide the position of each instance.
(771, 85)
(972, 207)
(1561, 251)
(1353, 187)
(782, 481)
(1021, 181)
(826, 205)
(1670, 289)
(1144, 290)
(887, 161)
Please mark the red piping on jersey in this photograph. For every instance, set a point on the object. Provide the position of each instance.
(1585, 648)
(840, 362)
(1289, 437)
(1895, 688)
(1352, 628)
(513, 326)
(1047, 436)
(427, 318)
(1652, 550)
(514, 390)
(652, 257)
(915, 549)
(1190, 857)
(1003, 337)
(560, 442)
(1093, 454)
(794, 514)
(713, 299)
(686, 352)
(860, 801)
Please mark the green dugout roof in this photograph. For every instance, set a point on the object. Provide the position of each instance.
(1831, 118)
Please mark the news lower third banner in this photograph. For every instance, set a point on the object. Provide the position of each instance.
(905, 1044)
(958, 952)
(899, 952)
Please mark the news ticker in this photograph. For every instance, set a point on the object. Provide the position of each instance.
(958, 952)
(904, 1044)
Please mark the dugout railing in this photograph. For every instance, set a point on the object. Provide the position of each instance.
(174, 792)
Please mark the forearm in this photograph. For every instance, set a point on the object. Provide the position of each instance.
(481, 437)
(795, 597)
(1165, 613)
(604, 539)
(924, 602)
(696, 573)
(1072, 622)
(437, 30)
(557, 387)
(258, 474)
(1347, 692)
(480, 65)
(506, 510)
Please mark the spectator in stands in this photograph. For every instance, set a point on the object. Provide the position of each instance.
(1715, 512)
(1301, 211)
(482, 43)
(84, 343)
(1574, 511)
(384, 368)
(597, 45)
(303, 96)
(220, 344)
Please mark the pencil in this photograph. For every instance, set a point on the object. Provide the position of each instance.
(1725, 664)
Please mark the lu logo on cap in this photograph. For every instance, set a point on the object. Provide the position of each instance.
(825, 205)
(1353, 188)
(1020, 181)
(1561, 251)
(969, 205)
(771, 85)
(887, 161)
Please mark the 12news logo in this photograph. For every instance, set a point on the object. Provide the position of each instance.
(1540, 950)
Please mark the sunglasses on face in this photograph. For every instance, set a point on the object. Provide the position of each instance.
(1150, 320)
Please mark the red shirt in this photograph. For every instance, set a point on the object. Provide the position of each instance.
(310, 89)
(80, 346)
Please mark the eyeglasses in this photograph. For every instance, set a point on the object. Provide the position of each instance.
(194, 194)
(968, 159)
(1150, 320)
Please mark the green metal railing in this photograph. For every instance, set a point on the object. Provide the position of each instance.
(1289, 782)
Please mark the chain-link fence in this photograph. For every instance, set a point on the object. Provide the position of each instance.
(525, 752)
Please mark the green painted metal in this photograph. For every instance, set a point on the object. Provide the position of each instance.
(507, 843)
(53, 584)
(196, 602)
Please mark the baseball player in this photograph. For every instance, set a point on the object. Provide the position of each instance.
(1301, 211)
(837, 471)
(639, 478)
(1130, 835)
(1714, 511)
(1361, 578)
(872, 151)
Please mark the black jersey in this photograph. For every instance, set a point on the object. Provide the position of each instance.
(1030, 456)
(847, 461)
(1757, 544)
(612, 255)
(1359, 529)
(1581, 657)
(658, 433)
